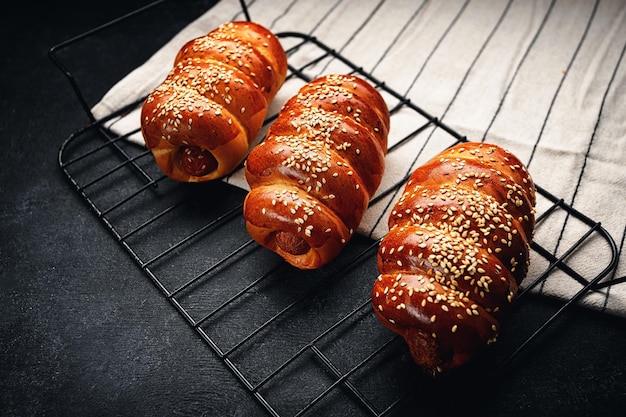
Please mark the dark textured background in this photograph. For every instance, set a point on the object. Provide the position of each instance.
(84, 332)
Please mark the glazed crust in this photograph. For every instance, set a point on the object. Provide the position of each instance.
(456, 252)
(312, 178)
(202, 120)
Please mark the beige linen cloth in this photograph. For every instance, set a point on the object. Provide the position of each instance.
(544, 78)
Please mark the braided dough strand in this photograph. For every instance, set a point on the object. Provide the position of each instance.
(457, 249)
(202, 120)
(314, 175)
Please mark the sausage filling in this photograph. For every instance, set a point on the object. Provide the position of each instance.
(292, 243)
(197, 161)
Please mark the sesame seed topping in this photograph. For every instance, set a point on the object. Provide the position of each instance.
(461, 245)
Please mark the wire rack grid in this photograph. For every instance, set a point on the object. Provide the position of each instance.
(301, 342)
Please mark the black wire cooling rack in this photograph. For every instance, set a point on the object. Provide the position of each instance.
(301, 342)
